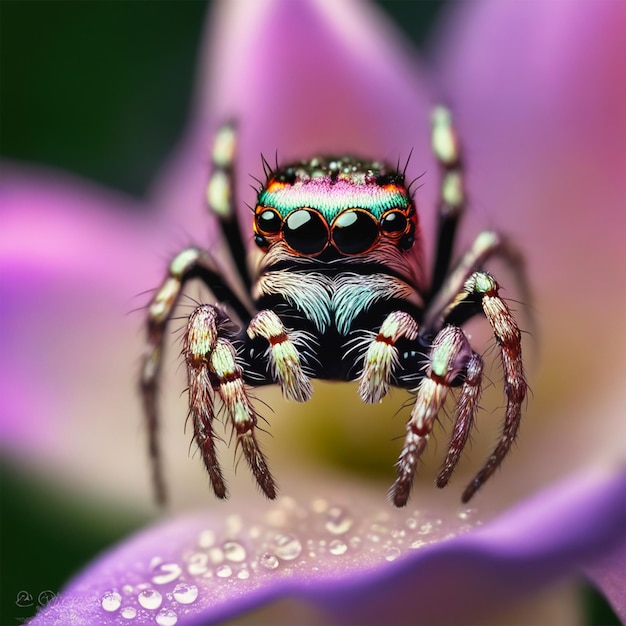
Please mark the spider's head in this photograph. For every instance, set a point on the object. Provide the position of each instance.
(339, 206)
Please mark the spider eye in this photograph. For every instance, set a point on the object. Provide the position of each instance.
(354, 231)
(268, 222)
(305, 231)
(393, 222)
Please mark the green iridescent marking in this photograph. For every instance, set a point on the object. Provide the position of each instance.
(331, 199)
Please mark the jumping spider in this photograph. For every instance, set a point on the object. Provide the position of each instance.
(338, 294)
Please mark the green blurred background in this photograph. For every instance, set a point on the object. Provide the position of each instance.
(102, 89)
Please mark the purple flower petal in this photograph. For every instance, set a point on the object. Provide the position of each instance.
(608, 575)
(74, 257)
(361, 562)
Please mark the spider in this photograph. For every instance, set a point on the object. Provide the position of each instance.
(336, 291)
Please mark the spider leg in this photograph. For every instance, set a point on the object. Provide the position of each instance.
(445, 147)
(450, 353)
(282, 355)
(508, 337)
(381, 359)
(466, 408)
(212, 364)
(199, 344)
(221, 199)
(189, 263)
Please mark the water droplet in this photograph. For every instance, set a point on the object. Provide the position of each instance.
(411, 523)
(127, 589)
(224, 571)
(397, 533)
(243, 574)
(391, 554)
(277, 517)
(111, 601)
(166, 617)
(319, 505)
(466, 514)
(185, 594)
(254, 532)
(166, 573)
(288, 547)
(216, 556)
(206, 539)
(129, 612)
(234, 551)
(150, 599)
(234, 524)
(338, 521)
(198, 563)
(418, 543)
(426, 528)
(269, 561)
(355, 542)
(337, 547)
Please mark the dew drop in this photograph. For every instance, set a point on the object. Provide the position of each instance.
(166, 617)
(243, 574)
(254, 532)
(269, 561)
(411, 523)
(338, 521)
(426, 528)
(129, 612)
(206, 539)
(198, 563)
(319, 505)
(234, 524)
(355, 542)
(337, 547)
(418, 543)
(127, 589)
(166, 573)
(466, 514)
(391, 554)
(224, 571)
(234, 551)
(287, 547)
(150, 599)
(216, 555)
(185, 594)
(111, 601)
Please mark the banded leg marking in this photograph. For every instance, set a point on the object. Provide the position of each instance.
(199, 343)
(212, 365)
(467, 406)
(283, 356)
(185, 265)
(508, 337)
(449, 355)
(381, 358)
(446, 148)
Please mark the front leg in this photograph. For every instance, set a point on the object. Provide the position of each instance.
(283, 357)
(188, 264)
(450, 357)
(211, 360)
(508, 336)
(381, 360)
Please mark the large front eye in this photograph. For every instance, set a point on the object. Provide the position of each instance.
(393, 223)
(268, 222)
(305, 231)
(354, 231)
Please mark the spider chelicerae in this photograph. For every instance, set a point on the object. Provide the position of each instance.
(335, 290)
